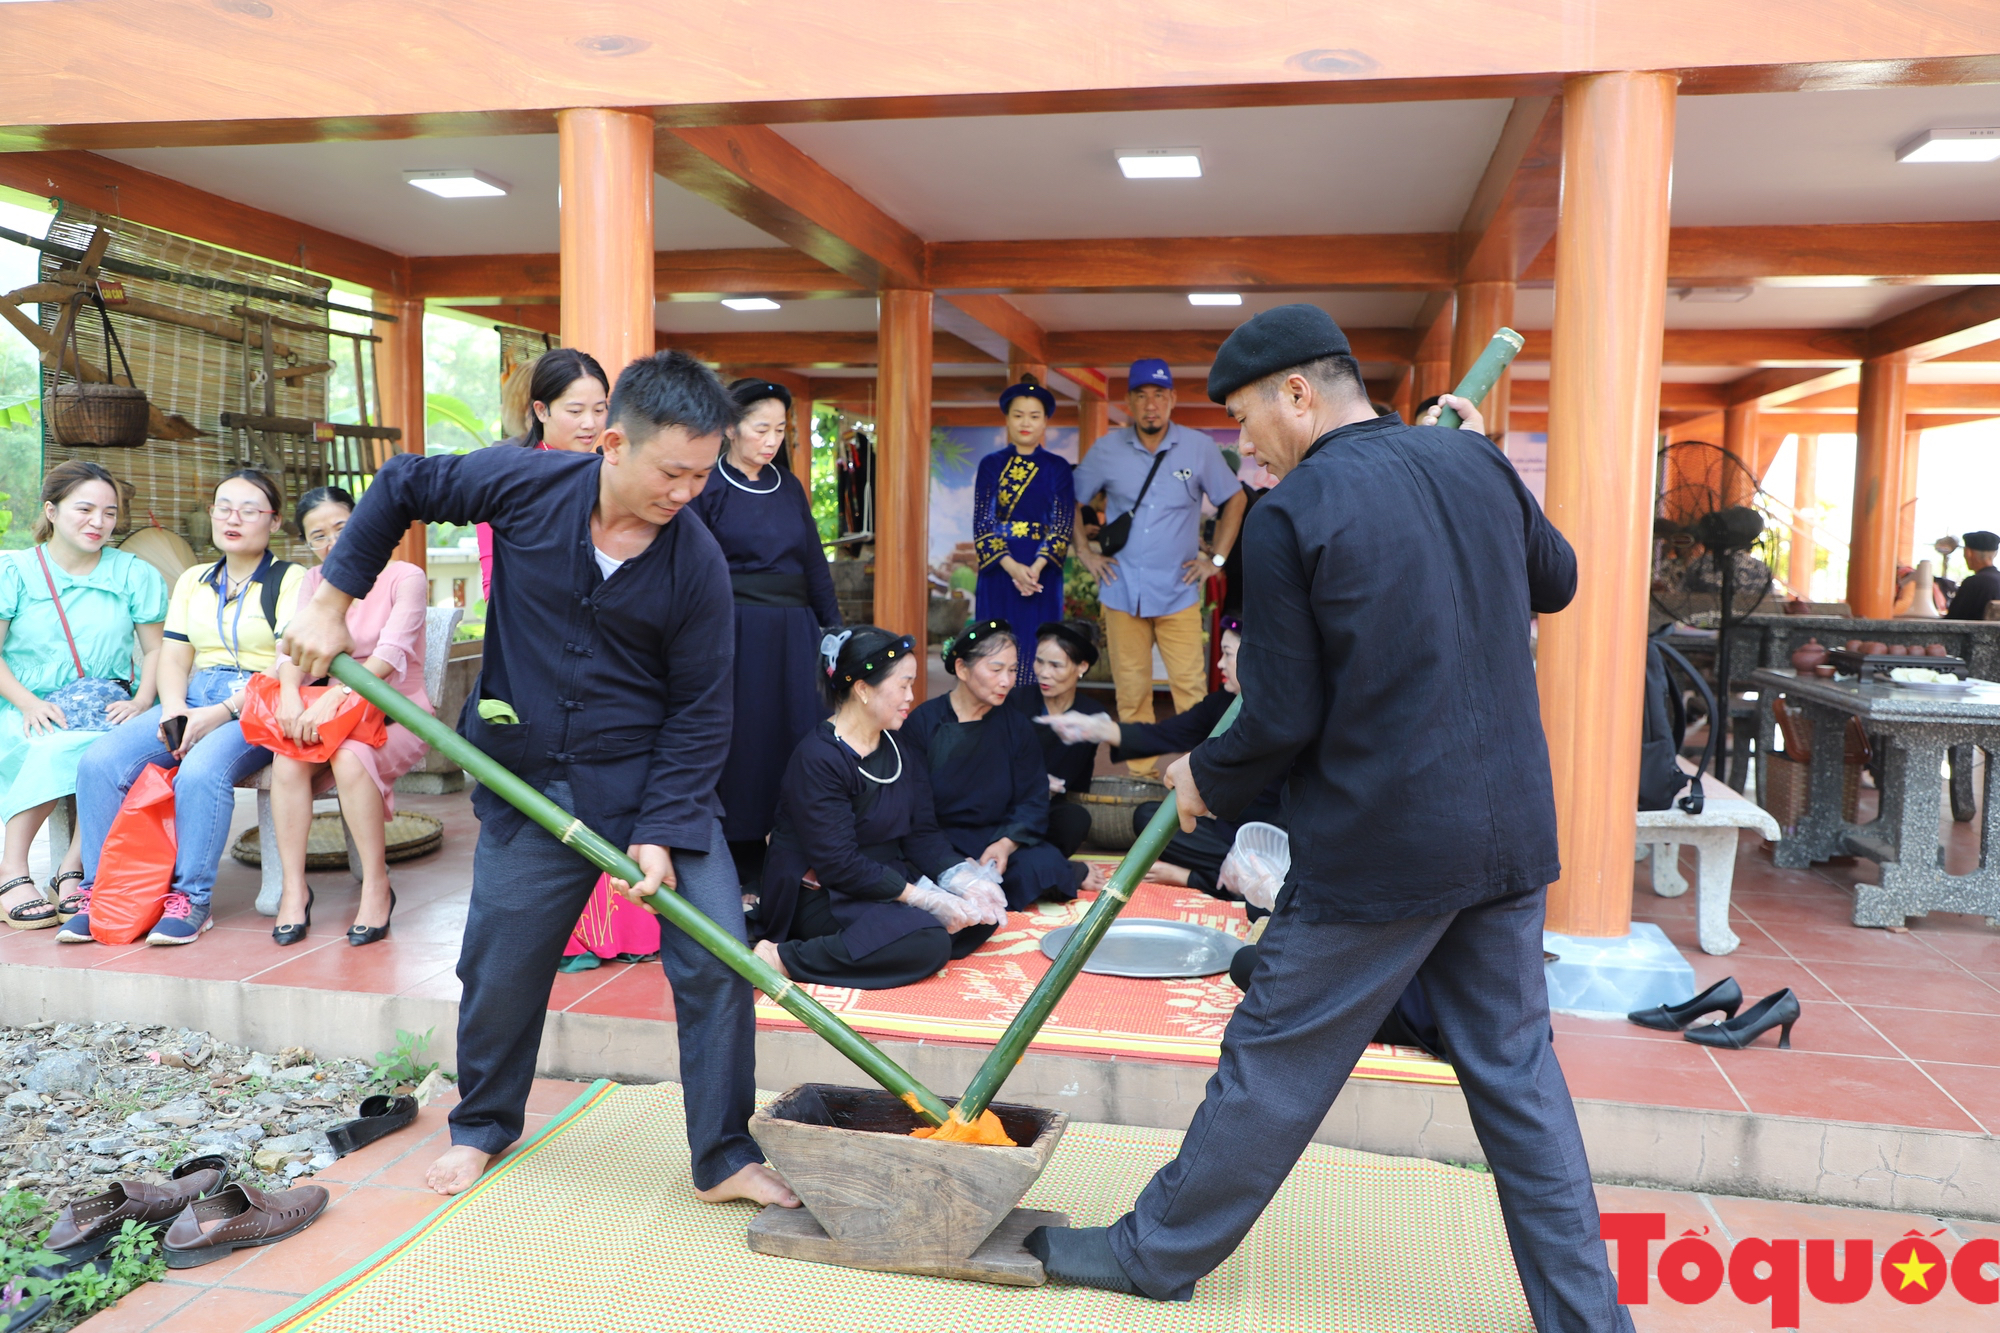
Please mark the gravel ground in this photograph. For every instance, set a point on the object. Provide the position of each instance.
(83, 1104)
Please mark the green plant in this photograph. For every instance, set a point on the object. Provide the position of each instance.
(22, 1217)
(134, 1260)
(173, 1154)
(456, 412)
(19, 409)
(403, 1064)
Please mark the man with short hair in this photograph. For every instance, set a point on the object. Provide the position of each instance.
(606, 685)
(1157, 473)
(1398, 703)
(1981, 586)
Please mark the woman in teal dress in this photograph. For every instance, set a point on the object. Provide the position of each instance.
(47, 720)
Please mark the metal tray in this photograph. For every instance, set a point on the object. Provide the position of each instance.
(1153, 949)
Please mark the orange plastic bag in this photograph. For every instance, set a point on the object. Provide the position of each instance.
(135, 867)
(356, 720)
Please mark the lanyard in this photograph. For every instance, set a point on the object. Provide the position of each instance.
(232, 638)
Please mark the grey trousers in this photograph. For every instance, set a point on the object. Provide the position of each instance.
(527, 894)
(1318, 994)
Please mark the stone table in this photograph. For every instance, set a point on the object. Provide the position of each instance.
(1912, 732)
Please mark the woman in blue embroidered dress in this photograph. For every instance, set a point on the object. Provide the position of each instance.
(1023, 507)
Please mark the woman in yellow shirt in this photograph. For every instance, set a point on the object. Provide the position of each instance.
(222, 627)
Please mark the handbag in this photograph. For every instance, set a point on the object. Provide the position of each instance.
(355, 720)
(83, 701)
(1111, 538)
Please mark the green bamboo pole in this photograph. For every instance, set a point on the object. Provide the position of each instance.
(594, 849)
(1485, 373)
(1166, 822)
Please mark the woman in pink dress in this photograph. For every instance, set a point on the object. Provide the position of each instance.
(388, 630)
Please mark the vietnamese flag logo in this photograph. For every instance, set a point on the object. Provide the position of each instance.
(1913, 1269)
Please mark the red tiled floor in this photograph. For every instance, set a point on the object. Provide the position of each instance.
(1968, 1039)
(1759, 977)
(1977, 950)
(1841, 1087)
(220, 1309)
(1656, 1073)
(386, 968)
(1854, 944)
(639, 991)
(368, 1216)
(1754, 942)
(1977, 1088)
(147, 1306)
(1951, 990)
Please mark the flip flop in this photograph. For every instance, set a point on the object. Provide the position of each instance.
(381, 1114)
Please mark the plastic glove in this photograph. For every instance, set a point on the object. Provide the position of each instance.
(1073, 727)
(953, 912)
(1251, 878)
(978, 883)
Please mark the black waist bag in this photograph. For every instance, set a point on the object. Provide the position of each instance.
(1660, 775)
(1111, 538)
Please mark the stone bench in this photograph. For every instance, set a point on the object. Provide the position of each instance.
(1713, 835)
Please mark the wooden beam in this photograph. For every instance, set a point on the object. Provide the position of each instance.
(157, 201)
(1739, 347)
(542, 318)
(1938, 328)
(778, 272)
(809, 349)
(1918, 399)
(1197, 347)
(1006, 319)
(1774, 383)
(1941, 252)
(1674, 395)
(1512, 217)
(1843, 423)
(1176, 264)
(757, 174)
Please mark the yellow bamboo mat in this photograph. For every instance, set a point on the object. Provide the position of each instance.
(592, 1227)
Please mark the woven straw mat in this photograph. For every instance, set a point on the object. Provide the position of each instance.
(593, 1227)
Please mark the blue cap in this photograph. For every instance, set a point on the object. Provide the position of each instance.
(1149, 370)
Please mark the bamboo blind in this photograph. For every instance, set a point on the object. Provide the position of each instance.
(518, 348)
(198, 376)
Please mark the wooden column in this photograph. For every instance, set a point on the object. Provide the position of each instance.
(1906, 497)
(1093, 419)
(903, 465)
(400, 364)
(1401, 400)
(1878, 481)
(1482, 308)
(1611, 284)
(1433, 367)
(799, 437)
(1739, 438)
(607, 234)
(1019, 363)
(1805, 499)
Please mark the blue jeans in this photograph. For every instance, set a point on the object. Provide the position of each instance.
(204, 789)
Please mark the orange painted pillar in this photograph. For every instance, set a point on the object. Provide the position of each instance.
(1482, 308)
(1604, 388)
(399, 362)
(1739, 438)
(1906, 498)
(1400, 399)
(1433, 366)
(1805, 499)
(1878, 483)
(903, 465)
(1093, 420)
(799, 438)
(607, 234)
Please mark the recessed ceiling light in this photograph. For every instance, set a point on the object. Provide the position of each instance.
(1714, 295)
(1214, 298)
(1969, 145)
(750, 303)
(457, 183)
(1152, 164)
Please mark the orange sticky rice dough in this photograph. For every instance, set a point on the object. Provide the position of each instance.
(984, 1129)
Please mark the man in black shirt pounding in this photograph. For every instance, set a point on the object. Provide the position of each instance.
(1399, 706)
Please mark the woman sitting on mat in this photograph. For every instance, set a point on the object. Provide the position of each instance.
(1064, 650)
(854, 814)
(987, 775)
(221, 629)
(388, 630)
(68, 610)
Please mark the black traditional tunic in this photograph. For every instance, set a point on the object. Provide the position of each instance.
(1974, 594)
(864, 827)
(1074, 764)
(989, 782)
(783, 594)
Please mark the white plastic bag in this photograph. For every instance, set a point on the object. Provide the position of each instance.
(1257, 863)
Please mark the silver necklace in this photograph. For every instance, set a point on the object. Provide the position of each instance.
(776, 481)
(870, 776)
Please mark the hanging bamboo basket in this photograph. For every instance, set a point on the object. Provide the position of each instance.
(106, 416)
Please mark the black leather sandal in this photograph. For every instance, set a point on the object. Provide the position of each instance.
(38, 913)
(67, 905)
(381, 1114)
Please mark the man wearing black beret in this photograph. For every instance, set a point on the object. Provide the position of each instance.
(1982, 587)
(1399, 707)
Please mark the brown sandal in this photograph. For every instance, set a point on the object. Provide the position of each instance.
(69, 905)
(38, 913)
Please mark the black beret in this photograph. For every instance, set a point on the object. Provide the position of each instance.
(1275, 340)
(1982, 541)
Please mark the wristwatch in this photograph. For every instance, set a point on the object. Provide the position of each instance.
(1218, 560)
(235, 713)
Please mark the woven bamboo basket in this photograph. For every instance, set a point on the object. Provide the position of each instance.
(1111, 802)
(109, 416)
(409, 835)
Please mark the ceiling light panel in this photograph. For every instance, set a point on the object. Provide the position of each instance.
(1153, 164)
(457, 183)
(751, 303)
(1967, 145)
(1214, 298)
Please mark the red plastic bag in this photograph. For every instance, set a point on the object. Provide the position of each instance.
(356, 720)
(135, 867)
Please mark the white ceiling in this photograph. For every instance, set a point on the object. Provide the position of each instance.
(1163, 310)
(1764, 308)
(838, 315)
(358, 190)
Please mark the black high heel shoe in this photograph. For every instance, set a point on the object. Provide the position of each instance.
(360, 935)
(1773, 1011)
(1725, 997)
(285, 935)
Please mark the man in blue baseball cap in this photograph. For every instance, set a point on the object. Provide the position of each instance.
(1150, 560)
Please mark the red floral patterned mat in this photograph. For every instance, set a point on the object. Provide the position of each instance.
(972, 1000)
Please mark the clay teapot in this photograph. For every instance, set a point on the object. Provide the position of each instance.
(1808, 655)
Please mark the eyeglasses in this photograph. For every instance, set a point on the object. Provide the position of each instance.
(224, 513)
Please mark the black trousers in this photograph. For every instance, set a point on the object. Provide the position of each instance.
(526, 896)
(1319, 991)
(1199, 853)
(818, 955)
(1069, 825)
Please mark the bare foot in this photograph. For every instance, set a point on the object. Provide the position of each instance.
(756, 1182)
(1099, 876)
(769, 953)
(457, 1169)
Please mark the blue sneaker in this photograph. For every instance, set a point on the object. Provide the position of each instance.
(182, 922)
(76, 930)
